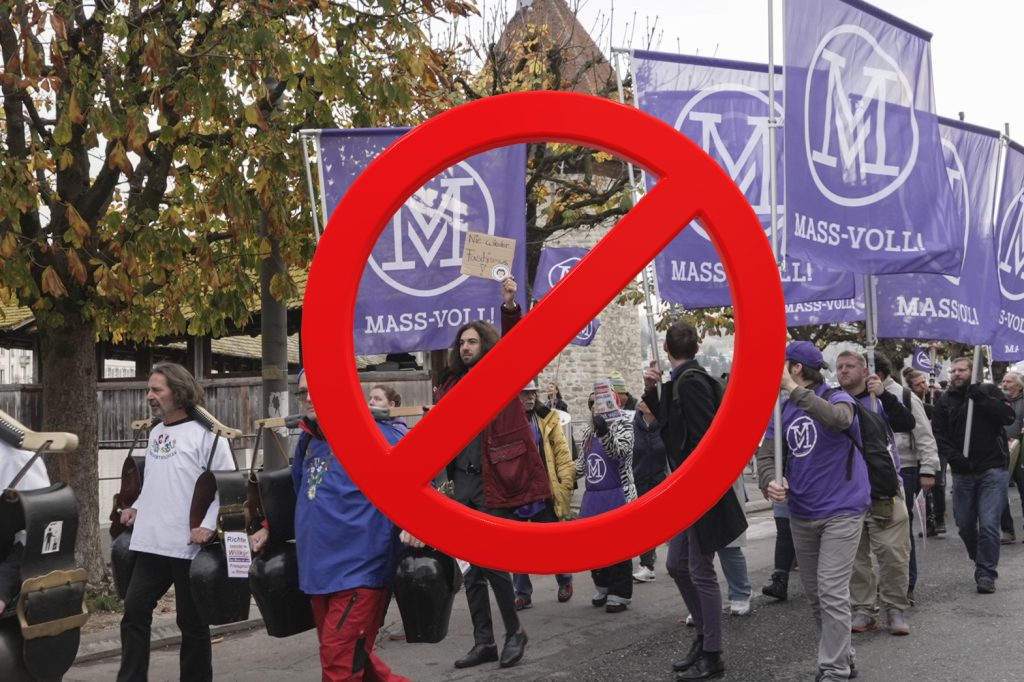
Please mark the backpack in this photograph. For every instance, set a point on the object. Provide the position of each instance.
(876, 446)
(717, 389)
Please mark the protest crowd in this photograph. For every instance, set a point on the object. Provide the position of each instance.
(864, 459)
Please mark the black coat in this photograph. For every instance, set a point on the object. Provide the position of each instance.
(684, 423)
(992, 412)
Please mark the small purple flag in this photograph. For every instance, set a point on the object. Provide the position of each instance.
(587, 334)
(1009, 341)
(554, 264)
(413, 295)
(723, 106)
(866, 188)
(964, 308)
(921, 360)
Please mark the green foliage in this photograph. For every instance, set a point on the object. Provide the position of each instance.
(103, 598)
(140, 142)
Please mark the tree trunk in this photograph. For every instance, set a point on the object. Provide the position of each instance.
(69, 404)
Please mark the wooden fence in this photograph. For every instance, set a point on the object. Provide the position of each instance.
(234, 401)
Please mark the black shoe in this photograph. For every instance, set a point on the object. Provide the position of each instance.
(853, 671)
(778, 588)
(599, 600)
(480, 653)
(515, 647)
(691, 656)
(940, 528)
(707, 667)
(986, 585)
(615, 607)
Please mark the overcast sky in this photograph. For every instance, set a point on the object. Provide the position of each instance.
(975, 45)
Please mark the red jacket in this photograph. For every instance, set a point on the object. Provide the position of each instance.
(511, 466)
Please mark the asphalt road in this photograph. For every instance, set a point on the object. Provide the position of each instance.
(957, 633)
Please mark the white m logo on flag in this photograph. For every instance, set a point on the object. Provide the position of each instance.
(1011, 250)
(852, 159)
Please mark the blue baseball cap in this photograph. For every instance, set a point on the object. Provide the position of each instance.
(806, 353)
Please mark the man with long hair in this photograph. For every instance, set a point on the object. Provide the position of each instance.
(499, 487)
(179, 450)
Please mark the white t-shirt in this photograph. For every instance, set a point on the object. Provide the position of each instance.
(175, 458)
(11, 461)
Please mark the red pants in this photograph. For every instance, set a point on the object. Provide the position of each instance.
(346, 624)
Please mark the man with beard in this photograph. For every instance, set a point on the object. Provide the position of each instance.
(497, 485)
(180, 449)
(1012, 386)
(980, 478)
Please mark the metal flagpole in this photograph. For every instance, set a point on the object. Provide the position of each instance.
(970, 401)
(932, 373)
(634, 190)
(305, 136)
(774, 123)
(870, 325)
(977, 349)
(320, 173)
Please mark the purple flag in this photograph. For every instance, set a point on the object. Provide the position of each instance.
(723, 107)
(964, 308)
(827, 312)
(1009, 341)
(867, 190)
(412, 295)
(554, 264)
(921, 360)
(587, 334)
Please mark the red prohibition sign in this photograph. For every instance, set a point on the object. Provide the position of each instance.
(690, 185)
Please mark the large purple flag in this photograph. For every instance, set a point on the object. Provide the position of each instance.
(964, 308)
(1009, 341)
(412, 295)
(839, 311)
(723, 107)
(867, 190)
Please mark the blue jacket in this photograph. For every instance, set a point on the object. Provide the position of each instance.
(342, 540)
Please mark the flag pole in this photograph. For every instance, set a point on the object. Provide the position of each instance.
(970, 401)
(773, 124)
(931, 375)
(635, 192)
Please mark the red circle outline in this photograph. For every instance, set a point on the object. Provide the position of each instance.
(691, 185)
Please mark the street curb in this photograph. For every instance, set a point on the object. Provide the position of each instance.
(107, 643)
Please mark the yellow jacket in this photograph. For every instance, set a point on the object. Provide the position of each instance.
(558, 458)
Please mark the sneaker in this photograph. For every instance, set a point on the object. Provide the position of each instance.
(739, 607)
(689, 621)
(565, 593)
(1007, 538)
(523, 603)
(862, 622)
(986, 585)
(615, 607)
(599, 599)
(896, 623)
(644, 575)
